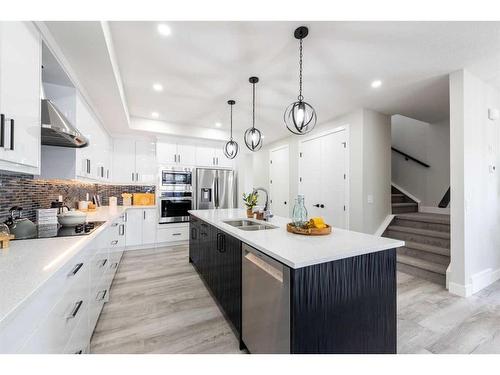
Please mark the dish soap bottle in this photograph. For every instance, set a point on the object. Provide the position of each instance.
(299, 211)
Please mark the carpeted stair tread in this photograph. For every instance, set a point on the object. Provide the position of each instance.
(422, 264)
(418, 231)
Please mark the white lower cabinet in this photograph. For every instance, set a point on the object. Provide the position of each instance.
(172, 233)
(141, 226)
(77, 295)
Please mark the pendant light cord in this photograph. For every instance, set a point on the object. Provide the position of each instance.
(231, 122)
(300, 97)
(253, 106)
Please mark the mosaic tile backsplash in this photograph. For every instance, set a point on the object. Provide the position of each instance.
(31, 194)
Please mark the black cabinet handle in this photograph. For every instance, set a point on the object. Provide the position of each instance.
(221, 239)
(75, 309)
(12, 134)
(316, 205)
(285, 202)
(322, 205)
(193, 233)
(75, 269)
(2, 130)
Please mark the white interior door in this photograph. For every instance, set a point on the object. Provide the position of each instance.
(334, 179)
(323, 177)
(279, 181)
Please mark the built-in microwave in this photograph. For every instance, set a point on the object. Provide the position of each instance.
(176, 177)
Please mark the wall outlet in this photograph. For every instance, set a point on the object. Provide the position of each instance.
(370, 198)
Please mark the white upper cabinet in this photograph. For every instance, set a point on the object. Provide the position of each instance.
(20, 77)
(145, 162)
(212, 157)
(124, 160)
(134, 161)
(175, 154)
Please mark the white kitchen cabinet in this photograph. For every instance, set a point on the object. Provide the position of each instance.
(145, 162)
(175, 154)
(134, 161)
(141, 226)
(20, 79)
(212, 157)
(172, 233)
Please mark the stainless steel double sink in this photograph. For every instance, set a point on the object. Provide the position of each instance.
(248, 225)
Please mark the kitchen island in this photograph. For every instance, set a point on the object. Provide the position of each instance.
(286, 293)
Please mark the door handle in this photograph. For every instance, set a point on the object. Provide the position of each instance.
(221, 239)
(144, 214)
(103, 263)
(179, 157)
(132, 176)
(322, 205)
(121, 229)
(102, 295)
(2, 130)
(193, 233)
(316, 205)
(114, 242)
(136, 176)
(12, 134)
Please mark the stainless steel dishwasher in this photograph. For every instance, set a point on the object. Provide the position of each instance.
(265, 303)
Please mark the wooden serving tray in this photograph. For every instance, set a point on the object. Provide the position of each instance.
(310, 231)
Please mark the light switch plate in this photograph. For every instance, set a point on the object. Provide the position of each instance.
(493, 113)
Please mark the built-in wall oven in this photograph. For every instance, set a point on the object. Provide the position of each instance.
(174, 206)
(175, 195)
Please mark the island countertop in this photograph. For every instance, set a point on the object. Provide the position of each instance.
(297, 251)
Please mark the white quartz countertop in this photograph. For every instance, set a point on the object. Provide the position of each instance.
(27, 264)
(295, 250)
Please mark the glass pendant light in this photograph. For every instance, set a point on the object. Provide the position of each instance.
(300, 116)
(253, 136)
(231, 147)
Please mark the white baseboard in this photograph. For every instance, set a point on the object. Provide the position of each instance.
(384, 225)
(459, 289)
(405, 192)
(478, 281)
(434, 210)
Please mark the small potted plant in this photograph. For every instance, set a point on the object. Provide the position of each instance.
(250, 202)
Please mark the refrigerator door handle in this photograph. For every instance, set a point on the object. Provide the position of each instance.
(216, 183)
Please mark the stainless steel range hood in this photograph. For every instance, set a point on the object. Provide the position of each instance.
(57, 130)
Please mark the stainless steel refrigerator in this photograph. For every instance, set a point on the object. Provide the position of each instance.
(215, 188)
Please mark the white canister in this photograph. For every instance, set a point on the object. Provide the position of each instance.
(83, 205)
(113, 201)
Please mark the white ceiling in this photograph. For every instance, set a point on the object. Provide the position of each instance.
(203, 64)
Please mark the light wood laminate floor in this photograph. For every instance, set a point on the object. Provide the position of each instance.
(158, 304)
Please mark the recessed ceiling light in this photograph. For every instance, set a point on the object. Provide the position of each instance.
(157, 87)
(164, 29)
(376, 84)
(218, 124)
(155, 114)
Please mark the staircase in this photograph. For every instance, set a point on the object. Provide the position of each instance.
(402, 203)
(427, 250)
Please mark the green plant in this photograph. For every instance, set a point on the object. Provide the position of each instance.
(250, 200)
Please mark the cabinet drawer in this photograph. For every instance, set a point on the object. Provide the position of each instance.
(79, 341)
(54, 333)
(114, 262)
(96, 303)
(18, 327)
(172, 234)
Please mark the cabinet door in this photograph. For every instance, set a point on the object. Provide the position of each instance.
(133, 228)
(124, 160)
(145, 162)
(221, 160)
(229, 277)
(204, 250)
(194, 240)
(205, 156)
(20, 77)
(166, 153)
(186, 154)
(149, 224)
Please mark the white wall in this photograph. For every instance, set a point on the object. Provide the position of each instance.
(429, 143)
(475, 214)
(369, 166)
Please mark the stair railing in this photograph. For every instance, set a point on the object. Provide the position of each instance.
(408, 157)
(445, 201)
